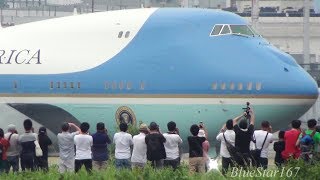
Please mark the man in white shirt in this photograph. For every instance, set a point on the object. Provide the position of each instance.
(123, 142)
(83, 143)
(171, 146)
(66, 147)
(14, 148)
(228, 134)
(139, 153)
(260, 136)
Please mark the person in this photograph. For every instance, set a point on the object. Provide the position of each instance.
(4, 145)
(243, 138)
(123, 142)
(226, 134)
(83, 143)
(310, 149)
(27, 142)
(100, 154)
(173, 141)
(14, 149)
(66, 147)
(196, 160)
(44, 142)
(262, 140)
(139, 153)
(156, 152)
(278, 147)
(292, 150)
(205, 146)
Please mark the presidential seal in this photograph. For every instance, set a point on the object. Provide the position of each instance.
(125, 115)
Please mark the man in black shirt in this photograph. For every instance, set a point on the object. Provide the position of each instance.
(156, 152)
(196, 160)
(243, 137)
(44, 142)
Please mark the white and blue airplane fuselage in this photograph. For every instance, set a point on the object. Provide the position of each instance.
(147, 65)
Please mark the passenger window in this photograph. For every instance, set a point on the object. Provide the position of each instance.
(249, 86)
(127, 34)
(58, 84)
(121, 85)
(79, 85)
(223, 86)
(258, 86)
(71, 85)
(214, 86)
(142, 86)
(216, 30)
(240, 86)
(129, 85)
(106, 85)
(232, 86)
(64, 85)
(114, 85)
(51, 85)
(120, 34)
(225, 30)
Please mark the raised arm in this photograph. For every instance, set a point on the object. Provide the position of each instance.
(236, 119)
(75, 126)
(252, 116)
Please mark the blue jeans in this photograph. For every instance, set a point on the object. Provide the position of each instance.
(123, 163)
(13, 161)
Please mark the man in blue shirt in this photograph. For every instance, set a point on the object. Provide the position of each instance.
(100, 147)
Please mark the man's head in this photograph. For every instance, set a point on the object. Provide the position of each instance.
(65, 127)
(281, 134)
(265, 125)
(84, 127)
(123, 127)
(296, 124)
(229, 124)
(12, 128)
(312, 123)
(194, 129)
(100, 126)
(153, 126)
(42, 130)
(243, 124)
(171, 126)
(27, 124)
(143, 128)
(1, 133)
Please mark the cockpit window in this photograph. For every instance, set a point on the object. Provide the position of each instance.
(241, 29)
(225, 30)
(216, 30)
(234, 29)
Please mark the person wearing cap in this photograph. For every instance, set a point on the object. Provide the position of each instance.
(44, 142)
(100, 154)
(123, 142)
(139, 153)
(156, 152)
(66, 147)
(173, 141)
(14, 150)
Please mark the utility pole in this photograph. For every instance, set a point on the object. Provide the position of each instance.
(306, 31)
(92, 6)
(255, 13)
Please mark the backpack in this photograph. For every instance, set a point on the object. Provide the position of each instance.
(307, 145)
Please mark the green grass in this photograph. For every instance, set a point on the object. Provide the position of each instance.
(306, 171)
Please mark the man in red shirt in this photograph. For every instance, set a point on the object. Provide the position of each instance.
(290, 139)
(4, 145)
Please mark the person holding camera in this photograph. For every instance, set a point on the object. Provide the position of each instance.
(156, 152)
(262, 139)
(244, 136)
(173, 140)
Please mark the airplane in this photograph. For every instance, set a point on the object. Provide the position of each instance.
(143, 65)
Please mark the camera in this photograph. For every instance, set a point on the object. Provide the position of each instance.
(247, 110)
